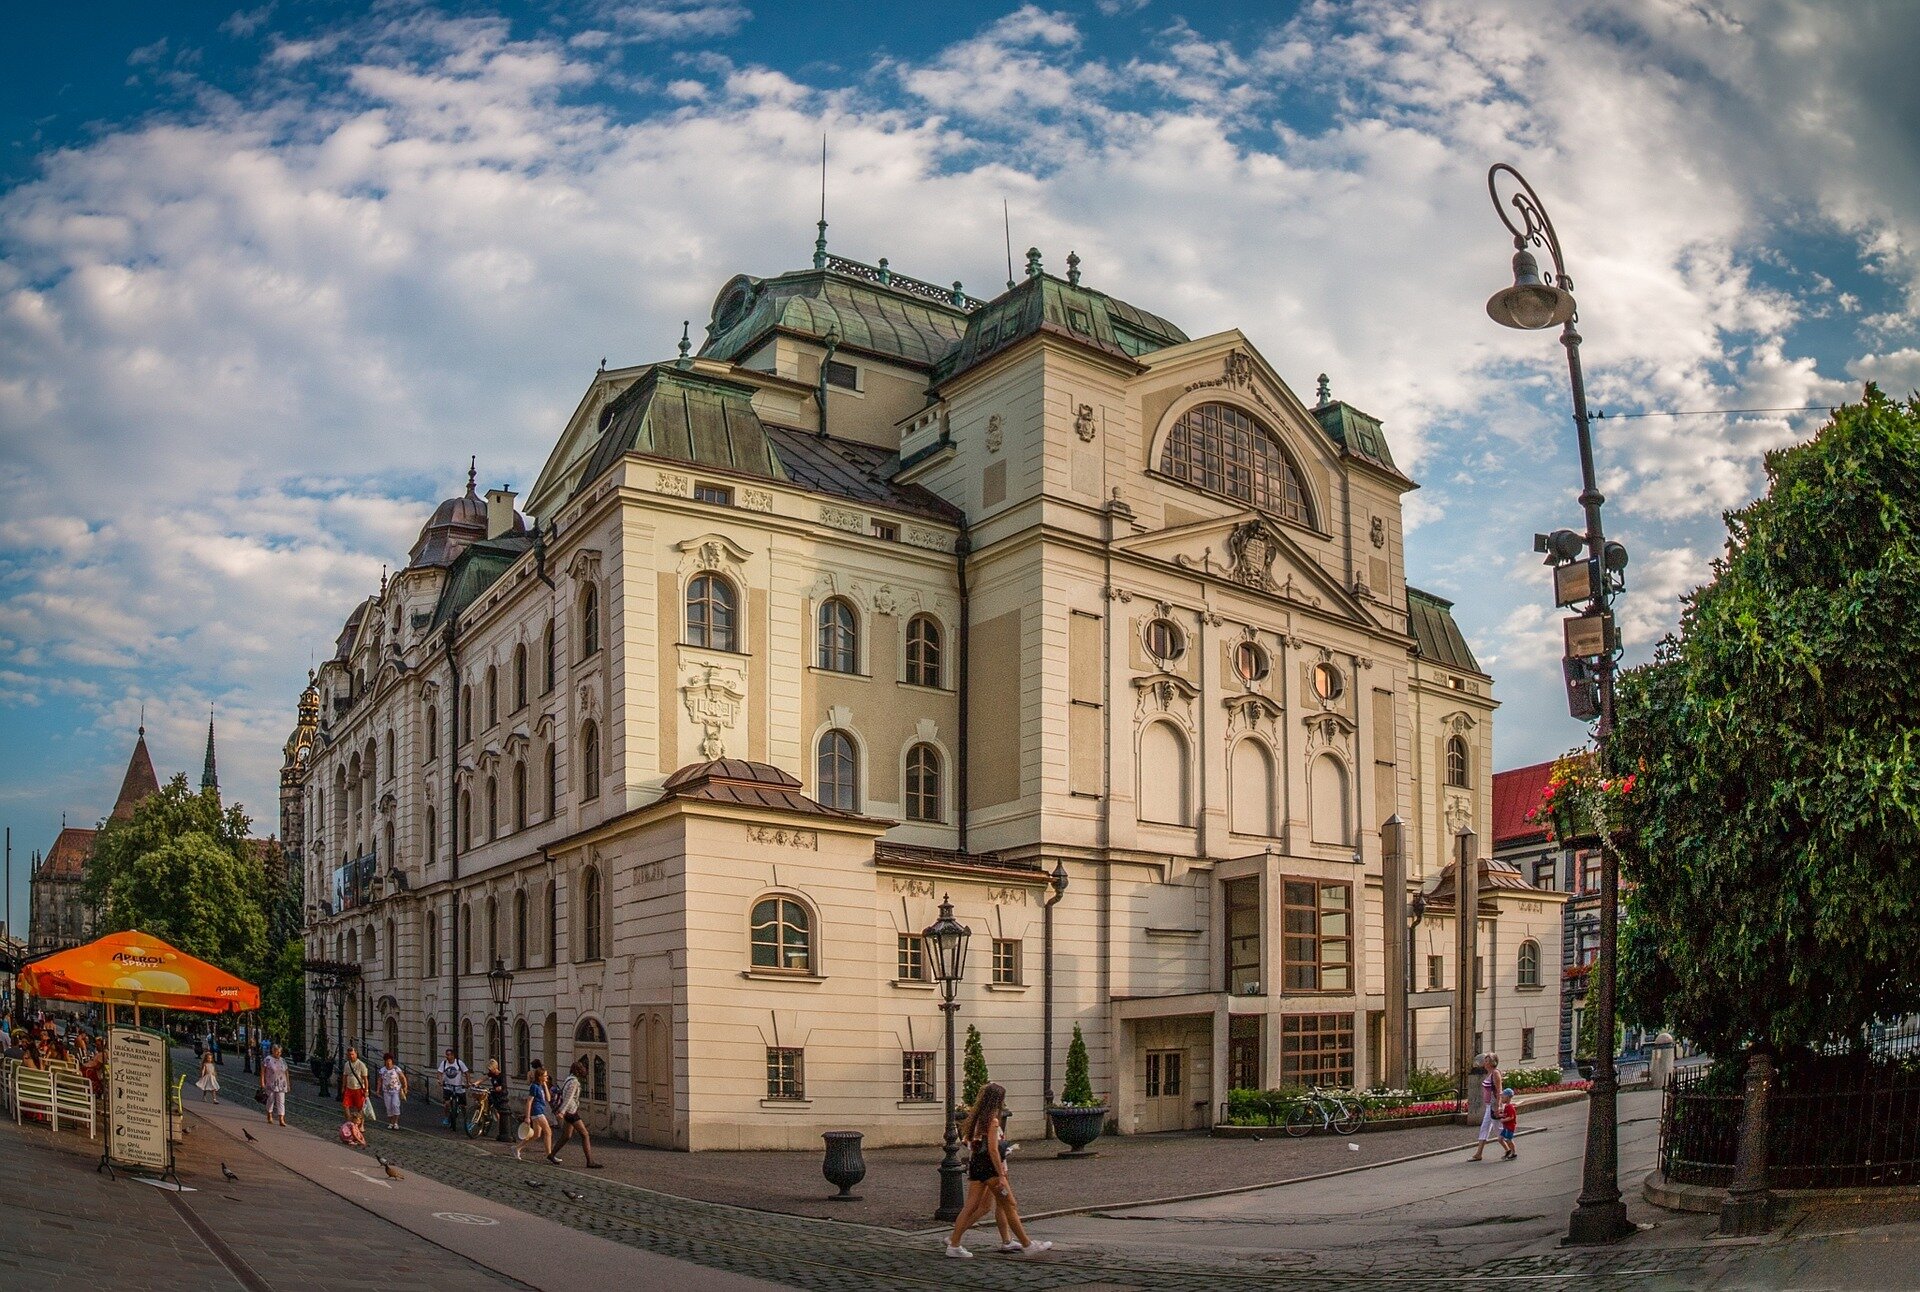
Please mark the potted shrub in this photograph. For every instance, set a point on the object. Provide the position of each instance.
(1078, 1117)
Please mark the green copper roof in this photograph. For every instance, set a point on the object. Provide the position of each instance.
(1043, 303)
(675, 412)
(868, 309)
(1356, 432)
(1436, 636)
(475, 570)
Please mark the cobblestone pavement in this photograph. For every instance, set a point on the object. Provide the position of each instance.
(66, 1225)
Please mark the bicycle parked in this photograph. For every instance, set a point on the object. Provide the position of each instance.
(480, 1117)
(1316, 1110)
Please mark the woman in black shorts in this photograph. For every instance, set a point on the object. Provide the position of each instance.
(987, 1186)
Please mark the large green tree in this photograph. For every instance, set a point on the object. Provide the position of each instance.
(181, 868)
(1772, 838)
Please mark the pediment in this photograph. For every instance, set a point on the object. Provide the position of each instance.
(1249, 550)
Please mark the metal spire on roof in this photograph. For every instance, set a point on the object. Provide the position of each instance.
(820, 243)
(1326, 391)
(1006, 224)
(1073, 268)
(1033, 262)
(473, 473)
(686, 345)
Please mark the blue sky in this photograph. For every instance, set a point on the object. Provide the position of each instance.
(269, 275)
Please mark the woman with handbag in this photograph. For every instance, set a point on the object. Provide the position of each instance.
(274, 1083)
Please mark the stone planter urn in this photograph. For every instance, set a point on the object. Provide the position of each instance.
(1077, 1127)
(844, 1167)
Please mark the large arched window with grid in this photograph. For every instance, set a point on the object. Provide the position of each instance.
(1219, 448)
(839, 771)
(923, 783)
(839, 637)
(710, 613)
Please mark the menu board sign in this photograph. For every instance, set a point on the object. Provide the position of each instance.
(137, 1098)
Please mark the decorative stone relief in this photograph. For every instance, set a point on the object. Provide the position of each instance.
(1377, 531)
(650, 873)
(1459, 813)
(926, 729)
(996, 435)
(585, 564)
(1007, 896)
(1250, 553)
(782, 838)
(756, 499)
(1083, 422)
(1459, 722)
(883, 600)
(913, 887)
(929, 539)
(677, 486)
(589, 700)
(713, 702)
(841, 518)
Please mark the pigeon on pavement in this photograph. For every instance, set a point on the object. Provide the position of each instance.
(393, 1172)
(574, 1197)
(229, 1174)
(533, 1184)
(251, 1138)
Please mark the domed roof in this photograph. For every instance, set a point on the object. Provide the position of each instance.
(455, 523)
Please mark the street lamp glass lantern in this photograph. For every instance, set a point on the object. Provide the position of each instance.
(500, 983)
(1529, 304)
(946, 943)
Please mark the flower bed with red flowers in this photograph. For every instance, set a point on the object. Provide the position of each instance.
(1439, 1108)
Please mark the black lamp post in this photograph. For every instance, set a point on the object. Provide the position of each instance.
(1591, 582)
(500, 984)
(946, 944)
(1058, 883)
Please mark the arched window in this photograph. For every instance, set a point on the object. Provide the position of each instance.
(519, 677)
(522, 1048)
(1163, 774)
(520, 928)
(589, 761)
(1250, 789)
(711, 618)
(392, 956)
(550, 643)
(839, 766)
(923, 651)
(493, 807)
(391, 764)
(493, 695)
(1218, 448)
(553, 922)
(590, 621)
(550, 1042)
(466, 1041)
(392, 858)
(1529, 963)
(493, 931)
(923, 783)
(466, 714)
(782, 935)
(590, 916)
(1456, 762)
(433, 1039)
(589, 1032)
(839, 637)
(553, 779)
(433, 948)
(433, 733)
(433, 837)
(466, 937)
(1328, 801)
(466, 820)
(519, 794)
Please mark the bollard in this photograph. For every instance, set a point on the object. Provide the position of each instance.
(1660, 1063)
(844, 1166)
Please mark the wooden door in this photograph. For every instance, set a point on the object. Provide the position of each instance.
(653, 1076)
(1165, 1104)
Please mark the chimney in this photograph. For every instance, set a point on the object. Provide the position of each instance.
(500, 513)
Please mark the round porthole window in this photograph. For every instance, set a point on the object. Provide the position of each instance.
(1250, 661)
(1165, 642)
(1327, 682)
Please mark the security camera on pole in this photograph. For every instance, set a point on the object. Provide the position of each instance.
(1588, 574)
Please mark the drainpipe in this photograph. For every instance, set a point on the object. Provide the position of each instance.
(962, 549)
(1058, 883)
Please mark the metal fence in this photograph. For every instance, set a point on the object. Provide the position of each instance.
(1836, 1121)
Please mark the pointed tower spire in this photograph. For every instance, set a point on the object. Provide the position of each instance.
(820, 243)
(209, 779)
(686, 342)
(139, 781)
(473, 473)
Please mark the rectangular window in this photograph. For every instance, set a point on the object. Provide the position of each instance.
(1436, 972)
(912, 964)
(1586, 944)
(887, 530)
(786, 1073)
(1479, 972)
(1316, 1050)
(718, 495)
(916, 1076)
(1590, 871)
(1317, 925)
(843, 375)
(1243, 1053)
(1526, 1043)
(1163, 1073)
(1006, 961)
(1242, 899)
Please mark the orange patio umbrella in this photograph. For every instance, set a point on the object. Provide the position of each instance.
(134, 968)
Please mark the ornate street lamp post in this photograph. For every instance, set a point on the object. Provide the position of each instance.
(1591, 582)
(500, 984)
(1058, 883)
(946, 943)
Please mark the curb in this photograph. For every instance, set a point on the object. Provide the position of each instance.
(1705, 1199)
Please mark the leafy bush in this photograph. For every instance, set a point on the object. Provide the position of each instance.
(1261, 1107)
(973, 1075)
(1430, 1083)
(1532, 1078)
(1079, 1088)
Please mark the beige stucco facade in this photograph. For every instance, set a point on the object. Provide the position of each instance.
(1158, 685)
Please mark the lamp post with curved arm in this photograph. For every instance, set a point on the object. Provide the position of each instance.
(1590, 582)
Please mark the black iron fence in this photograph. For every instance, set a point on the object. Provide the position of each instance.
(1834, 1121)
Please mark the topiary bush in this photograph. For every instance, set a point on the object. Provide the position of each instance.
(973, 1075)
(1079, 1088)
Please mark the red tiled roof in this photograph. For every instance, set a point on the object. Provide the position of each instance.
(71, 852)
(1516, 793)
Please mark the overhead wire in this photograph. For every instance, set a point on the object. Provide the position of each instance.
(1713, 412)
